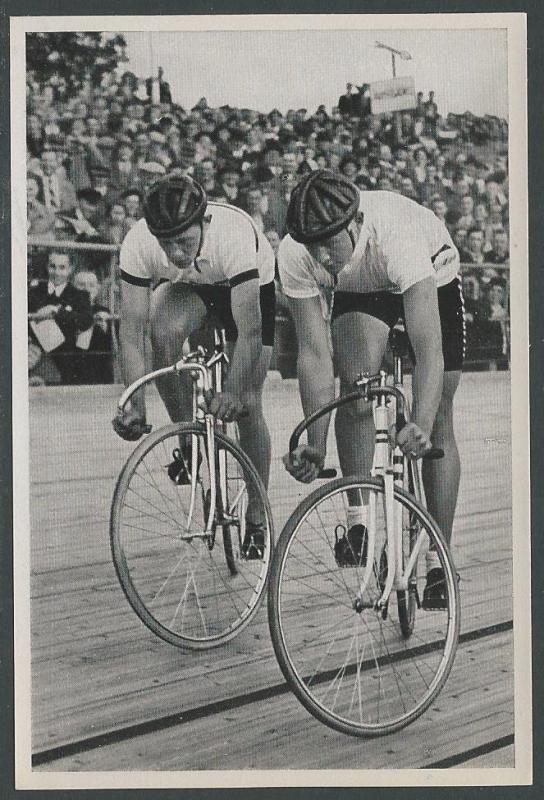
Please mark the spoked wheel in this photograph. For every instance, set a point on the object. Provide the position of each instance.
(346, 660)
(189, 584)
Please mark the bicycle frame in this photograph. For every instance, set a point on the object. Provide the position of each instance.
(390, 465)
(207, 374)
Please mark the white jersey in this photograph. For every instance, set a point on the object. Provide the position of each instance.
(400, 244)
(233, 250)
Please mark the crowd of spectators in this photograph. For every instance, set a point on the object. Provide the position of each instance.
(92, 155)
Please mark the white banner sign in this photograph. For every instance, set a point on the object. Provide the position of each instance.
(395, 94)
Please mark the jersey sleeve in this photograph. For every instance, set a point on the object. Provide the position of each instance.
(408, 263)
(238, 253)
(132, 261)
(295, 269)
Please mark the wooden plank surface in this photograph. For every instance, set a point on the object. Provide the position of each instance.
(97, 668)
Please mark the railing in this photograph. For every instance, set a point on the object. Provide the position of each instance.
(488, 338)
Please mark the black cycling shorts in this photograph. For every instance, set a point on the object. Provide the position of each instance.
(389, 308)
(216, 298)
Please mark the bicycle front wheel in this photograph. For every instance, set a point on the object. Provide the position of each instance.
(191, 586)
(343, 654)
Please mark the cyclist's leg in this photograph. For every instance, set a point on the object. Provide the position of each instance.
(176, 311)
(359, 343)
(441, 477)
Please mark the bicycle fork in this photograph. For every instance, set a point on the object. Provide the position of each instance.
(390, 468)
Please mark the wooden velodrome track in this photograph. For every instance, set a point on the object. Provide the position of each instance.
(108, 695)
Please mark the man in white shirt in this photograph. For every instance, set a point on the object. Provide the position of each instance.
(189, 256)
(379, 256)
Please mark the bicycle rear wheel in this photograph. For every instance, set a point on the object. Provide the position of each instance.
(175, 573)
(344, 657)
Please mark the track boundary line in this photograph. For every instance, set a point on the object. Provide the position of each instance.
(182, 717)
(473, 752)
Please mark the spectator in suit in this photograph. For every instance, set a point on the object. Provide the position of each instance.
(68, 307)
(475, 252)
(500, 253)
(94, 345)
(83, 223)
(346, 101)
(56, 192)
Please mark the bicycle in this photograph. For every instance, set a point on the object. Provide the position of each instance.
(183, 546)
(345, 635)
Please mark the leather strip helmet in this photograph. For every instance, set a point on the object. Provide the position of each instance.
(321, 205)
(172, 204)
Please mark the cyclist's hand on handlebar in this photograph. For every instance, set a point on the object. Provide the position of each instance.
(225, 406)
(413, 441)
(130, 425)
(305, 463)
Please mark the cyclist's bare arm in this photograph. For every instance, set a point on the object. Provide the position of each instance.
(314, 366)
(423, 327)
(246, 311)
(134, 316)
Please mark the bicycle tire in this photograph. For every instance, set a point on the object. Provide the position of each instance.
(407, 600)
(303, 606)
(232, 554)
(175, 580)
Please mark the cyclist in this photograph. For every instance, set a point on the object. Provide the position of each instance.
(184, 258)
(352, 264)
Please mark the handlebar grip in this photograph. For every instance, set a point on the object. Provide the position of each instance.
(330, 472)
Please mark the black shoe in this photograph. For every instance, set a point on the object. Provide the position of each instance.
(178, 470)
(253, 544)
(350, 550)
(434, 593)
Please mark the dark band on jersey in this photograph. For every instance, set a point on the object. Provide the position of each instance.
(248, 275)
(134, 280)
(444, 247)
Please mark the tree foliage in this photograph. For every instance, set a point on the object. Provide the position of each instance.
(74, 57)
